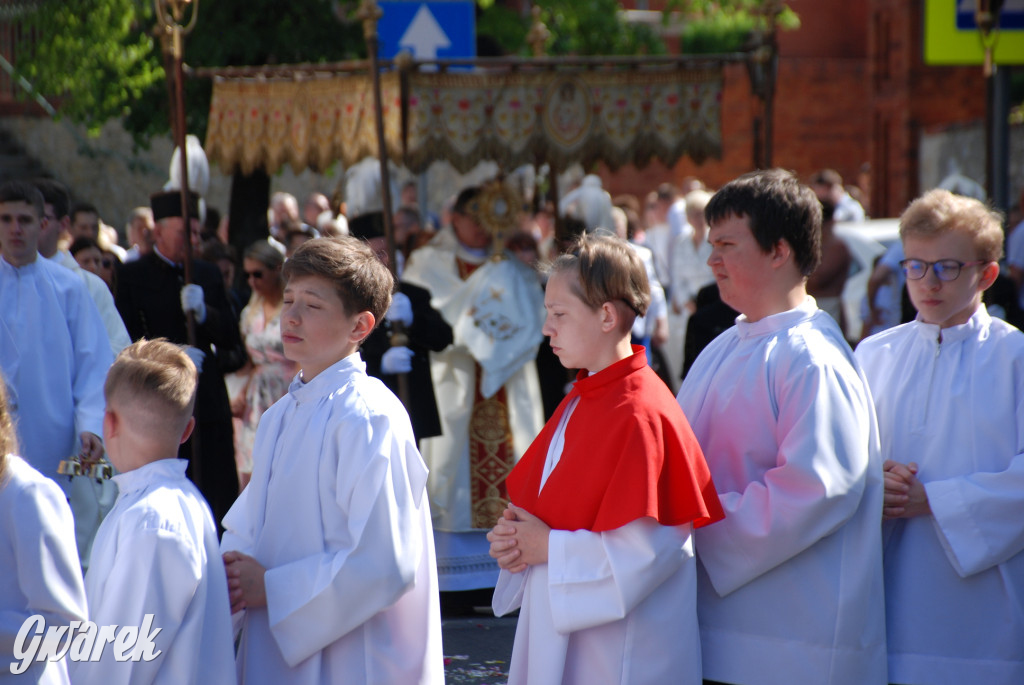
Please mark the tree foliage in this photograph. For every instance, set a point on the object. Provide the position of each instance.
(102, 60)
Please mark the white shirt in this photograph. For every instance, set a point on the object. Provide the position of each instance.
(156, 553)
(38, 565)
(610, 607)
(55, 355)
(790, 582)
(955, 579)
(104, 300)
(337, 513)
(690, 270)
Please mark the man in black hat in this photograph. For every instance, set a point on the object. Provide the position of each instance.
(153, 299)
(423, 327)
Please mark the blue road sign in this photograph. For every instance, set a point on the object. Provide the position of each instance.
(1011, 17)
(443, 29)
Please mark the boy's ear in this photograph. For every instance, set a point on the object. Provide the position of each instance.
(111, 425)
(989, 273)
(781, 252)
(185, 434)
(609, 317)
(364, 324)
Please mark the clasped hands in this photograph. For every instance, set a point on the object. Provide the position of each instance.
(519, 540)
(905, 496)
(246, 588)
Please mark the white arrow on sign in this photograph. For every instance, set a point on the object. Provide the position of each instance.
(424, 35)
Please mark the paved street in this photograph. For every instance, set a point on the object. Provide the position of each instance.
(477, 649)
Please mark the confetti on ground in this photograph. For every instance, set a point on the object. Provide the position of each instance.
(459, 669)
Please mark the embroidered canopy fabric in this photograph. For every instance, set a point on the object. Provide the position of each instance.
(511, 117)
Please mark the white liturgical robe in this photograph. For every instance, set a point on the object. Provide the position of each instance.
(55, 355)
(954, 581)
(790, 582)
(608, 607)
(337, 513)
(156, 553)
(39, 571)
(104, 299)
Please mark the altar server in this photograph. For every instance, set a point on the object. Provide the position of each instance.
(155, 563)
(790, 583)
(329, 551)
(949, 390)
(596, 547)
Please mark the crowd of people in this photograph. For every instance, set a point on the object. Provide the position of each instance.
(639, 422)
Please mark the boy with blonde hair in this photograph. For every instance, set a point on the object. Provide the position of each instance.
(155, 560)
(949, 392)
(596, 546)
(329, 550)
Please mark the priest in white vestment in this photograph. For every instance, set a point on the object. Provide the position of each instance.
(488, 392)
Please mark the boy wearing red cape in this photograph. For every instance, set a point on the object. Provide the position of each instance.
(596, 546)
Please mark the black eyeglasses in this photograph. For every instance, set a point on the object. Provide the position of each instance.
(945, 269)
(258, 274)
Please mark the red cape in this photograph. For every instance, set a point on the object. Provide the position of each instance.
(629, 453)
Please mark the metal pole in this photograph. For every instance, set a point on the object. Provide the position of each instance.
(369, 12)
(169, 22)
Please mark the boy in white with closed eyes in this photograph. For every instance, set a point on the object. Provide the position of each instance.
(329, 550)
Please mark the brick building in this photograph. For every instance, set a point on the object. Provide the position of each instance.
(852, 90)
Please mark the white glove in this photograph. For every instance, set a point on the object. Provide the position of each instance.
(396, 360)
(196, 355)
(192, 301)
(400, 309)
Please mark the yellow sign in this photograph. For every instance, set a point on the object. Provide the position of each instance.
(946, 43)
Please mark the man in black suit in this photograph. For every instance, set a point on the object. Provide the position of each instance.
(425, 330)
(152, 298)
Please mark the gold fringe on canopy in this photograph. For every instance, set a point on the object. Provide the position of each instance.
(510, 117)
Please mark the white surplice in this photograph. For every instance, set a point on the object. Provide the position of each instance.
(954, 581)
(55, 355)
(104, 299)
(463, 562)
(38, 566)
(156, 553)
(607, 607)
(337, 513)
(790, 582)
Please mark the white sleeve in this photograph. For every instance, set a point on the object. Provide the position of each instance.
(597, 578)
(48, 571)
(508, 593)
(314, 601)
(157, 572)
(101, 295)
(92, 360)
(824, 424)
(979, 517)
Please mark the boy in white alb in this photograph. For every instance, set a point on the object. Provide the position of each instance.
(949, 391)
(156, 554)
(790, 582)
(596, 547)
(329, 550)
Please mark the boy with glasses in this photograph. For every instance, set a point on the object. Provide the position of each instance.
(949, 393)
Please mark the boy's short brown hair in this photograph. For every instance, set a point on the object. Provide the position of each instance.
(608, 270)
(940, 211)
(157, 377)
(361, 280)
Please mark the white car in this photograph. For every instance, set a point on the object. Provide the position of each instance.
(866, 240)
